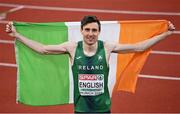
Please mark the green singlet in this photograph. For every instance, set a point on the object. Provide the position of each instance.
(90, 74)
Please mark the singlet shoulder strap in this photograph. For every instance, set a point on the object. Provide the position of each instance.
(100, 44)
(79, 46)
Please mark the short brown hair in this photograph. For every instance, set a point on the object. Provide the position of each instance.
(90, 19)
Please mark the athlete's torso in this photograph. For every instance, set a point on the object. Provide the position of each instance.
(90, 80)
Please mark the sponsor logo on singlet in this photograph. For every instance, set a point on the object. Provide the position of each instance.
(91, 84)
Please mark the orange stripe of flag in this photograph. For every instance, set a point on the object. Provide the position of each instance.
(130, 65)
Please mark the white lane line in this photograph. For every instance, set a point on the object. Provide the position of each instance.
(3, 22)
(152, 52)
(176, 32)
(141, 75)
(7, 41)
(4, 14)
(91, 10)
(8, 65)
(159, 77)
(165, 52)
(15, 9)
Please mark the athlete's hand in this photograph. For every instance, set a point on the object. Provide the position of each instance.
(171, 27)
(10, 29)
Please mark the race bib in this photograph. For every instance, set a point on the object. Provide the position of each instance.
(91, 84)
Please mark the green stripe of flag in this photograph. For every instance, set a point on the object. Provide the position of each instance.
(42, 79)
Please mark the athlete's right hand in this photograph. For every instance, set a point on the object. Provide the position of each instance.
(10, 29)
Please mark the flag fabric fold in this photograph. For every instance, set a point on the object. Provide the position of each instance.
(47, 79)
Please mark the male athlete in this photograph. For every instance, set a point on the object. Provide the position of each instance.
(90, 57)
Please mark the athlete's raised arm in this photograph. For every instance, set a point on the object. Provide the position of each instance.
(38, 47)
(143, 45)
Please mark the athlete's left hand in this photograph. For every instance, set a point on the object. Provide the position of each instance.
(171, 27)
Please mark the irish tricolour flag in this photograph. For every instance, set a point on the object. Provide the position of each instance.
(47, 79)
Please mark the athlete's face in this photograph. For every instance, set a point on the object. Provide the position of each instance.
(90, 33)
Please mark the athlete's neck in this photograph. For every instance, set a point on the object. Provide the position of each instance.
(89, 50)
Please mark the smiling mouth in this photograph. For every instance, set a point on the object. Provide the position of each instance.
(90, 39)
